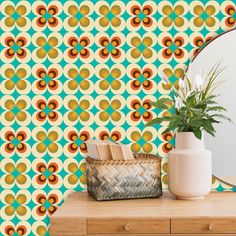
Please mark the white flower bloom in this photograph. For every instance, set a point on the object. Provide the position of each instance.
(164, 78)
(198, 82)
(182, 84)
(178, 103)
(189, 70)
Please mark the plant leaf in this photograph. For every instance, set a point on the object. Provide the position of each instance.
(157, 120)
(198, 133)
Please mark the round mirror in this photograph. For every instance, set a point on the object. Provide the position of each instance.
(222, 49)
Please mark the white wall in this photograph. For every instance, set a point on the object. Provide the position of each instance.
(224, 145)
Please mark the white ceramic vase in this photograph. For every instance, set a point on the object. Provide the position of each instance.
(189, 168)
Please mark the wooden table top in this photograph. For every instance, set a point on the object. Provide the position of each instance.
(216, 204)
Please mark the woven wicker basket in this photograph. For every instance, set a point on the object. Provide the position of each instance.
(117, 179)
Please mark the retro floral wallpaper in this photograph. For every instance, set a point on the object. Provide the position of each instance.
(75, 70)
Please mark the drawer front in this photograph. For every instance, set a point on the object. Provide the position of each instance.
(67, 226)
(128, 226)
(203, 226)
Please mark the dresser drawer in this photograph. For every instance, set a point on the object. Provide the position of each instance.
(203, 226)
(128, 226)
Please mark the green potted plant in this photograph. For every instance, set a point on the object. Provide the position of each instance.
(194, 109)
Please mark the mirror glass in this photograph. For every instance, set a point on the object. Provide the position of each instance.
(223, 146)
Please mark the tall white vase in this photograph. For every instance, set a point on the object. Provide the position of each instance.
(189, 168)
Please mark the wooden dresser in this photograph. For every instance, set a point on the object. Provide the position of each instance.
(81, 215)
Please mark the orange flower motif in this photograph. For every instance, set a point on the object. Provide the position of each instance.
(173, 47)
(141, 110)
(198, 41)
(142, 78)
(15, 142)
(141, 15)
(15, 47)
(229, 10)
(78, 47)
(110, 47)
(18, 230)
(76, 141)
(47, 79)
(47, 16)
(47, 110)
(46, 204)
(47, 173)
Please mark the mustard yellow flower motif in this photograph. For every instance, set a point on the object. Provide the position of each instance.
(110, 79)
(47, 47)
(173, 74)
(141, 47)
(142, 141)
(78, 110)
(15, 79)
(15, 173)
(39, 228)
(204, 16)
(110, 110)
(47, 142)
(76, 173)
(15, 110)
(173, 15)
(78, 15)
(15, 15)
(78, 78)
(110, 15)
(15, 204)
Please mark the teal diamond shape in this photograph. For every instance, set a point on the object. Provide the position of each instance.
(141, 79)
(47, 204)
(15, 79)
(47, 141)
(141, 110)
(15, 110)
(141, 47)
(110, 15)
(47, 79)
(110, 47)
(110, 110)
(78, 15)
(46, 173)
(204, 15)
(15, 15)
(47, 110)
(15, 47)
(47, 47)
(15, 142)
(173, 15)
(47, 16)
(141, 16)
(173, 47)
(15, 204)
(141, 141)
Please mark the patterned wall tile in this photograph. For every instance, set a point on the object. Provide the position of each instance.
(75, 70)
